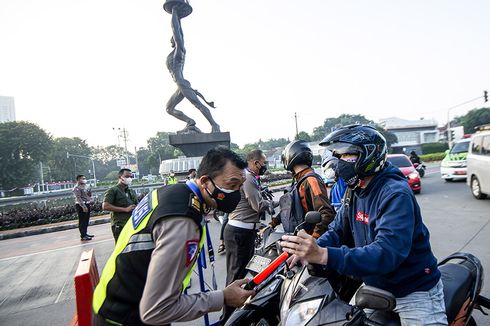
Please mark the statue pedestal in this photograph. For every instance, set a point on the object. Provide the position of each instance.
(198, 144)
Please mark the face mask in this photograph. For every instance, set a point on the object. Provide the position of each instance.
(347, 171)
(262, 169)
(227, 200)
(127, 181)
(329, 173)
(83, 181)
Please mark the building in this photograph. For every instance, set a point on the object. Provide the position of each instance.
(411, 134)
(7, 109)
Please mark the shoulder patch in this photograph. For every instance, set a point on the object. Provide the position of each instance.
(191, 250)
(143, 208)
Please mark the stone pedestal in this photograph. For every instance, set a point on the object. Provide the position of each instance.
(199, 144)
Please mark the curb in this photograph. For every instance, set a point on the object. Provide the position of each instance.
(50, 229)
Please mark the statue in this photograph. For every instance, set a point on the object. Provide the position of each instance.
(175, 64)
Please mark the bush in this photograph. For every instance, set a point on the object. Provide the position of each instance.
(432, 157)
(431, 148)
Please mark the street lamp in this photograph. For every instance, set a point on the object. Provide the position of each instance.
(93, 164)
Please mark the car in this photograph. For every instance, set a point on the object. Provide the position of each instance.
(453, 166)
(479, 163)
(402, 162)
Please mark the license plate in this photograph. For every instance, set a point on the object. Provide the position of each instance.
(258, 263)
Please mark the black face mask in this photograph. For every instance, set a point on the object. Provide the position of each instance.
(262, 169)
(226, 200)
(347, 171)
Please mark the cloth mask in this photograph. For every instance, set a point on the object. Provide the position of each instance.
(347, 171)
(262, 169)
(226, 200)
(127, 181)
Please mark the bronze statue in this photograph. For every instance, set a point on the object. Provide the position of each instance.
(175, 64)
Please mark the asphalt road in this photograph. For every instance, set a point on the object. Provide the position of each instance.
(37, 271)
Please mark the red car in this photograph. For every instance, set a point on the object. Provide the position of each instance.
(405, 165)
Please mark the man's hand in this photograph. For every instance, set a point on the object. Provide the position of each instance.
(234, 295)
(304, 246)
(293, 260)
(130, 208)
(85, 209)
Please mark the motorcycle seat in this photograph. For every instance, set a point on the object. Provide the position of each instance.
(457, 282)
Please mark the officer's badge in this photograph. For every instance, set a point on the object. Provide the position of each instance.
(191, 250)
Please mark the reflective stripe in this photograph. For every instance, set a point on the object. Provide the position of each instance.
(187, 278)
(138, 246)
(140, 237)
(109, 270)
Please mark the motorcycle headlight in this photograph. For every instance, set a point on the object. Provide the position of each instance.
(286, 302)
(303, 312)
(413, 175)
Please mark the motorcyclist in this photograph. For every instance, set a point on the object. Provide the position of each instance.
(391, 243)
(297, 157)
(329, 166)
(414, 158)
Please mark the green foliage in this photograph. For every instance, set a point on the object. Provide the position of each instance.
(22, 146)
(430, 148)
(160, 149)
(432, 157)
(347, 119)
(472, 119)
(64, 168)
(303, 135)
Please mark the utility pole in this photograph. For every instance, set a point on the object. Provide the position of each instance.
(124, 134)
(296, 122)
(42, 176)
(93, 164)
(136, 155)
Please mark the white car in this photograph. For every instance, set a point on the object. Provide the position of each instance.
(478, 161)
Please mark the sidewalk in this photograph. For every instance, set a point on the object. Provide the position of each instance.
(54, 227)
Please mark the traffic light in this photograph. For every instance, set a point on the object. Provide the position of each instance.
(485, 96)
(453, 135)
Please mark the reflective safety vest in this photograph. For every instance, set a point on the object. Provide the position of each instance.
(118, 294)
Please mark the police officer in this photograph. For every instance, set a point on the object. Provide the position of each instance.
(152, 263)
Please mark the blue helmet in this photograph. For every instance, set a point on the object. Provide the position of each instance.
(362, 140)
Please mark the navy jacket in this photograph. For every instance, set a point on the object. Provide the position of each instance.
(392, 249)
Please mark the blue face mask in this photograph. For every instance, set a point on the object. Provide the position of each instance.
(227, 200)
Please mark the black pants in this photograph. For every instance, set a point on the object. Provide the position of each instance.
(225, 222)
(240, 244)
(83, 218)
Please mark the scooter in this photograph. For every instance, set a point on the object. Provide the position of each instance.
(420, 168)
(263, 308)
(310, 301)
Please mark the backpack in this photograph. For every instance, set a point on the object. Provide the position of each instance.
(292, 214)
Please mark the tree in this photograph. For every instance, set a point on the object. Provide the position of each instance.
(23, 145)
(303, 135)
(106, 160)
(347, 119)
(64, 168)
(143, 163)
(472, 119)
(160, 150)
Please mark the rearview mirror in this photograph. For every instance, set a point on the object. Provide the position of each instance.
(374, 298)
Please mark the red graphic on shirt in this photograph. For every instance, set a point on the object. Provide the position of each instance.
(221, 196)
(427, 271)
(362, 217)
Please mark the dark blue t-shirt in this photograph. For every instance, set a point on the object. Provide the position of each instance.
(392, 249)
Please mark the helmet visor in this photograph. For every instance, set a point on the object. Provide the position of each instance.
(339, 148)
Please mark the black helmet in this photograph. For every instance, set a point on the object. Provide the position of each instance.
(296, 152)
(362, 140)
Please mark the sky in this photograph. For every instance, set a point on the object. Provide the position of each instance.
(86, 68)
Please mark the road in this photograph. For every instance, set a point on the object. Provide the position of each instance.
(37, 271)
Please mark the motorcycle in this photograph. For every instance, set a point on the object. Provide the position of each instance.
(263, 308)
(312, 301)
(420, 168)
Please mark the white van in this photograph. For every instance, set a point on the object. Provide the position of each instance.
(478, 162)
